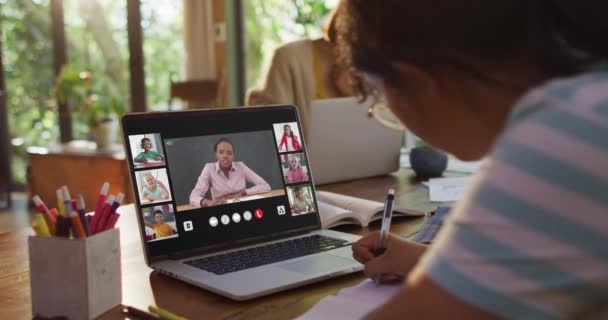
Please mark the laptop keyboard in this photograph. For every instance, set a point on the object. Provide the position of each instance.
(267, 254)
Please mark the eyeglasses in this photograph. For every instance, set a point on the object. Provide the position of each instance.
(382, 113)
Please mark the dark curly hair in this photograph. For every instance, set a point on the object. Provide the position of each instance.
(561, 36)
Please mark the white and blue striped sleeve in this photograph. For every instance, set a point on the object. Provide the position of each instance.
(529, 241)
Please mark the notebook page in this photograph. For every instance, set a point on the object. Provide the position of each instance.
(332, 216)
(448, 189)
(369, 291)
(352, 303)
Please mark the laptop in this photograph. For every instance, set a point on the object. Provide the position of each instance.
(218, 208)
(360, 146)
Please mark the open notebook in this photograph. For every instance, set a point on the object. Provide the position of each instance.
(337, 209)
(352, 303)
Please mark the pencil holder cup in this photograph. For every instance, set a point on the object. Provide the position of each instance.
(78, 278)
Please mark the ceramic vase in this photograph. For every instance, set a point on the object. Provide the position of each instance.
(105, 133)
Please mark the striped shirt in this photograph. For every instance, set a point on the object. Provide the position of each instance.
(530, 238)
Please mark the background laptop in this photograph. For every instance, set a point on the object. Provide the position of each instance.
(250, 247)
(345, 144)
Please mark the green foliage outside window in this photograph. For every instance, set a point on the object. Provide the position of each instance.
(28, 65)
(97, 42)
(91, 99)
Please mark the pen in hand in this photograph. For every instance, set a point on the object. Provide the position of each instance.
(386, 226)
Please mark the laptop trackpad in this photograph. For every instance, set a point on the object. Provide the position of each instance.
(316, 264)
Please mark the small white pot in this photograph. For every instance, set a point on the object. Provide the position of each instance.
(105, 133)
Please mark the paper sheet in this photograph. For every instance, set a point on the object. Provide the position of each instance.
(352, 303)
(455, 165)
(447, 189)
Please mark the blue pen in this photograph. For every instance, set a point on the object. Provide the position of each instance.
(116, 203)
(67, 200)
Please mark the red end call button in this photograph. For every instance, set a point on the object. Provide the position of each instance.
(258, 213)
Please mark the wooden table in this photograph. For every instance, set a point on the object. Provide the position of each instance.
(143, 287)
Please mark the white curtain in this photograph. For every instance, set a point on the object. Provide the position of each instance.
(199, 40)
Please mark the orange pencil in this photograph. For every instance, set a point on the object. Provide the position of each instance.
(77, 226)
(53, 225)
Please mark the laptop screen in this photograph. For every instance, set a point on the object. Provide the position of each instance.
(209, 178)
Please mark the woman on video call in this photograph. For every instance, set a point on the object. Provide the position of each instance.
(226, 178)
(296, 173)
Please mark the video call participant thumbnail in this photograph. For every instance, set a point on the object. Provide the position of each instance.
(148, 153)
(289, 140)
(146, 150)
(295, 172)
(226, 178)
(161, 228)
(152, 185)
(300, 200)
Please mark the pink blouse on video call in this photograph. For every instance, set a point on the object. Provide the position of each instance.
(212, 177)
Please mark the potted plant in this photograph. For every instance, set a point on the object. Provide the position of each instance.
(95, 102)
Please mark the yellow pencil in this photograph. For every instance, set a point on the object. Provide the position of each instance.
(60, 202)
(164, 314)
(39, 225)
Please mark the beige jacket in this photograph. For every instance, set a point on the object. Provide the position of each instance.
(290, 79)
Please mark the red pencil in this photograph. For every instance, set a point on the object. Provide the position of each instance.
(74, 205)
(112, 221)
(99, 206)
(98, 224)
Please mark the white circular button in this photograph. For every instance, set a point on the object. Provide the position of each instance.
(213, 221)
(236, 217)
(247, 215)
(225, 219)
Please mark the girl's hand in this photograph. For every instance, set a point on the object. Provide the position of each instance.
(394, 264)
